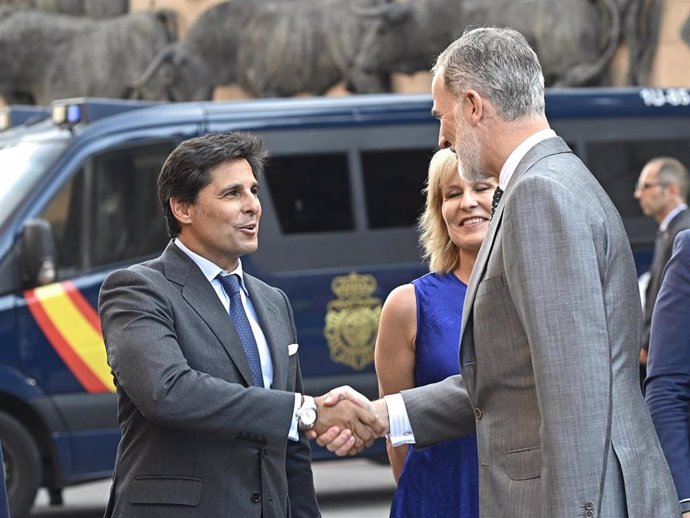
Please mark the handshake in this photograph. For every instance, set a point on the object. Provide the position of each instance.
(348, 422)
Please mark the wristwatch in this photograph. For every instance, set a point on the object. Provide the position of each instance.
(306, 414)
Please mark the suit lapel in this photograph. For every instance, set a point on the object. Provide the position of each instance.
(267, 314)
(199, 294)
(543, 149)
(467, 356)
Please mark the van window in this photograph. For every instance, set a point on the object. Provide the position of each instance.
(310, 193)
(394, 180)
(108, 212)
(125, 216)
(64, 213)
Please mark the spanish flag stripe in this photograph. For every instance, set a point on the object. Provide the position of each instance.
(83, 305)
(75, 328)
(81, 371)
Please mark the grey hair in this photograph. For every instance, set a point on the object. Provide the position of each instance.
(498, 63)
(672, 170)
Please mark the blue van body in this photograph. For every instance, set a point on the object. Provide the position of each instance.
(341, 195)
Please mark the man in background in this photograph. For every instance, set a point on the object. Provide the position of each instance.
(667, 388)
(662, 191)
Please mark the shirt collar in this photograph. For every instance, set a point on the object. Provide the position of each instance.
(519, 153)
(669, 217)
(210, 269)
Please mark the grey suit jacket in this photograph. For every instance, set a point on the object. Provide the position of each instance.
(196, 439)
(663, 247)
(549, 349)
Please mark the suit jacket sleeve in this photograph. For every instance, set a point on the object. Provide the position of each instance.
(139, 328)
(668, 373)
(439, 411)
(554, 254)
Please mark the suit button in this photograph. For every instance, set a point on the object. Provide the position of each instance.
(256, 497)
(589, 514)
(478, 413)
(589, 505)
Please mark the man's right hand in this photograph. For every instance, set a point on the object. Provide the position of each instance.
(348, 422)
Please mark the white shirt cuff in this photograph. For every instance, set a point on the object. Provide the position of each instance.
(400, 427)
(293, 434)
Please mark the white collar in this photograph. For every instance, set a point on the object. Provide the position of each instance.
(519, 153)
(210, 269)
(669, 217)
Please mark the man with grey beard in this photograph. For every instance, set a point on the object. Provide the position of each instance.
(552, 317)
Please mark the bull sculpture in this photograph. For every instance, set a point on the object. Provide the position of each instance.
(271, 48)
(575, 39)
(90, 8)
(47, 56)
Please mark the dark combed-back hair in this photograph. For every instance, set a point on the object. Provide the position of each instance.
(188, 168)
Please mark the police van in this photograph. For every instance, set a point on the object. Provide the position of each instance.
(341, 195)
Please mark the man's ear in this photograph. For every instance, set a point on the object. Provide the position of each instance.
(182, 210)
(473, 106)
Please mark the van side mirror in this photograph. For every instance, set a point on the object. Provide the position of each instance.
(37, 253)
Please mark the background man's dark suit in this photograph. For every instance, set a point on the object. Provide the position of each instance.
(662, 192)
(668, 370)
(196, 441)
(663, 247)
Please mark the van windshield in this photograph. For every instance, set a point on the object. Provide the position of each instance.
(22, 164)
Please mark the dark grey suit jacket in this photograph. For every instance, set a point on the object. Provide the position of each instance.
(196, 439)
(549, 354)
(663, 247)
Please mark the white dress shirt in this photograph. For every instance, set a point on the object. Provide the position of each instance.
(211, 272)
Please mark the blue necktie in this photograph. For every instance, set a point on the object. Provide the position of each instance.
(231, 284)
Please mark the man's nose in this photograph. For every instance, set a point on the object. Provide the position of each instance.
(443, 142)
(253, 204)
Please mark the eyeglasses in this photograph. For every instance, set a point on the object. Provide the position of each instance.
(645, 186)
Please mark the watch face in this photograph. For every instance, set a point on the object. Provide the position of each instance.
(308, 416)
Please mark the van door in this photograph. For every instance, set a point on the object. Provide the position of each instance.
(106, 215)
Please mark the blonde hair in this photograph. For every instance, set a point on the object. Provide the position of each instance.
(438, 250)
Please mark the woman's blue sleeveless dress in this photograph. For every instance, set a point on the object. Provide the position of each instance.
(440, 481)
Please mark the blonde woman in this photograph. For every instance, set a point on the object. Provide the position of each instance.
(419, 336)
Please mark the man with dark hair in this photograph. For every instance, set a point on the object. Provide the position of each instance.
(551, 322)
(204, 356)
(662, 191)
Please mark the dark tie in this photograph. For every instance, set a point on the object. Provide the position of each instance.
(497, 198)
(231, 284)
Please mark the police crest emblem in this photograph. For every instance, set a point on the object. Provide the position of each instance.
(352, 320)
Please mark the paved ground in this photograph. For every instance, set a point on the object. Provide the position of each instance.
(346, 489)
